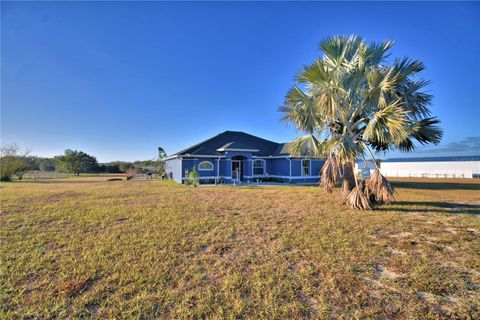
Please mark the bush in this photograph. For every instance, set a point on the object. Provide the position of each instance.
(131, 172)
(207, 181)
(268, 179)
(193, 178)
(12, 164)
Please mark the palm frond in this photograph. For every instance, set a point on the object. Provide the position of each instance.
(387, 125)
(339, 49)
(317, 74)
(300, 110)
(426, 131)
(307, 146)
(413, 99)
(330, 174)
(378, 186)
(345, 148)
(358, 200)
(374, 53)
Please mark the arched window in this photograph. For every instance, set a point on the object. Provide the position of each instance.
(258, 167)
(205, 166)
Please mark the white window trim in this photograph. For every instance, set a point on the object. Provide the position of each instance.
(264, 167)
(209, 162)
(309, 167)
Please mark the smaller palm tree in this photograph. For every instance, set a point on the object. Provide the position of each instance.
(352, 102)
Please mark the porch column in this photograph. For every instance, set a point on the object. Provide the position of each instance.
(290, 167)
(218, 170)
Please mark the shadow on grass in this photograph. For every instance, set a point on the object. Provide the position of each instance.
(66, 181)
(428, 206)
(436, 186)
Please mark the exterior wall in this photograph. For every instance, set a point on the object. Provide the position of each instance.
(190, 163)
(289, 170)
(278, 168)
(247, 164)
(432, 169)
(174, 166)
(315, 167)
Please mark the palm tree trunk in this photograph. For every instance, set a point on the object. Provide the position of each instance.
(348, 180)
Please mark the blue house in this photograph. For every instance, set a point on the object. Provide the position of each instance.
(233, 156)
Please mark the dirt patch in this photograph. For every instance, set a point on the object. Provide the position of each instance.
(403, 234)
(395, 251)
(76, 286)
(382, 272)
(379, 284)
(473, 231)
(451, 230)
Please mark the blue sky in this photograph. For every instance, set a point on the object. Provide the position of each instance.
(116, 80)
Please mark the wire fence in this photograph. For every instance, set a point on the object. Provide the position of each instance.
(141, 176)
(34, 175)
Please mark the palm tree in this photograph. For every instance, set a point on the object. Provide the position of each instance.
(352, 102)
(161, 153)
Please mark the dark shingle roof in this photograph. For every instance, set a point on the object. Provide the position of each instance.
(232, 140)
(283, 149)
(237, 145)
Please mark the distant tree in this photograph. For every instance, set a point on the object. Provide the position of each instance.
(108, 168)
(124, 166)
(46, 164)
(160, 165)
(161, 153)
(33, 161)
(76, 162)
(42, 164)
(12, 163)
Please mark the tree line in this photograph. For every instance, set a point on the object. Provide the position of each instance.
(14, 163)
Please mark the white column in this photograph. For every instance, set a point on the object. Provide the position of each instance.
(290, 165)
(218, 170)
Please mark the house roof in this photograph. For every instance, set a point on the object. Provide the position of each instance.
(283, 149)
(232, 140)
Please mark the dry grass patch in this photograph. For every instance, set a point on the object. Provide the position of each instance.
(145, 249)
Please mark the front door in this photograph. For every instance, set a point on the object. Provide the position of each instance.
(237, 170)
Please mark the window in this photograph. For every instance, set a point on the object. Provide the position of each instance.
(205, 166)
(305, 167)
(258, 167)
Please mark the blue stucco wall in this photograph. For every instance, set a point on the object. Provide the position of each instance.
(189, 164)
(275, 168)
(278, 167)
(315, 166)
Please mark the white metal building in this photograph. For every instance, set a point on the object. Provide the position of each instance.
(433, 167)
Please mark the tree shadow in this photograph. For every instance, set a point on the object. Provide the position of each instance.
(435, 185)
(431, 206)
(66, 181)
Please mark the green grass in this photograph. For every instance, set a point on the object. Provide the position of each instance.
(85, 247)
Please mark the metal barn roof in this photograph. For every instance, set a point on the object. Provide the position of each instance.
(434, 159)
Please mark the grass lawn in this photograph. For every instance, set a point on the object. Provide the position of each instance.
(86, 247)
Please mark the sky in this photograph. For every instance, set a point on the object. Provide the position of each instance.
(119, 79)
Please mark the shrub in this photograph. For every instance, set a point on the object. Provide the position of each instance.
(207, 181)
(193, 178)
(131, 172)
(12, 164)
